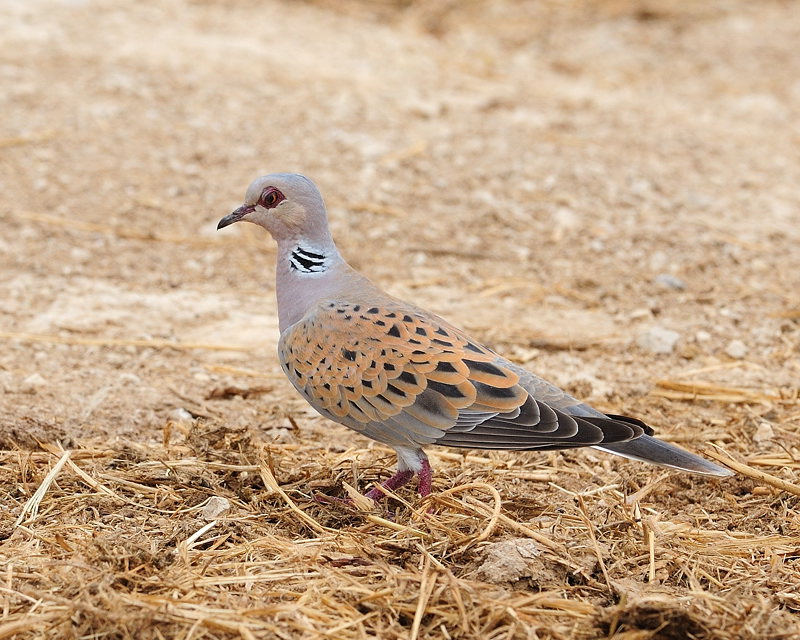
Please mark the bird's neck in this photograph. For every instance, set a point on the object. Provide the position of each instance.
(306, 272)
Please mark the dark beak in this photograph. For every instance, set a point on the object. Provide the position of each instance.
(237, 215)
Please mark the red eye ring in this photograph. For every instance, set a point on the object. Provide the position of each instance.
(270, 198)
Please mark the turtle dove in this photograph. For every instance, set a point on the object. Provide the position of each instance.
(405, 377)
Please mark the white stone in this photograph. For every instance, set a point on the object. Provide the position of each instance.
(6, 381)
(764, 433)
(215, 506)
(736, 349)
(640, 313)
(658, 340)
(181, 416)
(669, 281)
(32, 383)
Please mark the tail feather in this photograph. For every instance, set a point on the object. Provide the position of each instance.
(648, 449)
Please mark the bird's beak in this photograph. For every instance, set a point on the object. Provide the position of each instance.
(237, 215)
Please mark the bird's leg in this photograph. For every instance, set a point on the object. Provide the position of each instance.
(404, 475)
(425, 475)
(395, 482)
(399, 479)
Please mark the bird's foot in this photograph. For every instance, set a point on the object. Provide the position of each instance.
(424, 475)
(398, 480)
(375, 494)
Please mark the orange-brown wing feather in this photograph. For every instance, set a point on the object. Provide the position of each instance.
(406, 377)
(397, 366)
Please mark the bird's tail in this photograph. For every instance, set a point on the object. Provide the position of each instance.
(648, 449)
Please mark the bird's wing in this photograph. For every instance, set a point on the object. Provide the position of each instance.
(403, 376)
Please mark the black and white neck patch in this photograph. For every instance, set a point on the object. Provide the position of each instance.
(307, 260)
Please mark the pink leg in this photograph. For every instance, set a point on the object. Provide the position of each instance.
(395, 482)
(425, 478)
(398, 480)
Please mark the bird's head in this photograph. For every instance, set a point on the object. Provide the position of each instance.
(288, 205)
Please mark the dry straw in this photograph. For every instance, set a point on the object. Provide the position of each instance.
(109, 541)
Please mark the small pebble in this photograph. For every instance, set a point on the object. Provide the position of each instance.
(6, 382)
(215, 506)
(764, 433)
(425, 109)
(181, 416)
(736, 349)
(669, 282)
(641, 312)
(658, 340)
(32, 383)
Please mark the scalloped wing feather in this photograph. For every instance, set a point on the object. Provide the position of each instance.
(401, 375)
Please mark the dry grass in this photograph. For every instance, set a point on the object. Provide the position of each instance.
(121, 543)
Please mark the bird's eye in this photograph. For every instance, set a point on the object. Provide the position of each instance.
(270, 198)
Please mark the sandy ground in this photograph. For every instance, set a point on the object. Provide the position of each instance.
(568, 181)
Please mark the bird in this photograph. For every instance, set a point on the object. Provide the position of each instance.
(405, 377)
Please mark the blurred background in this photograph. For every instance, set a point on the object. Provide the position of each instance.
(619, 176)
